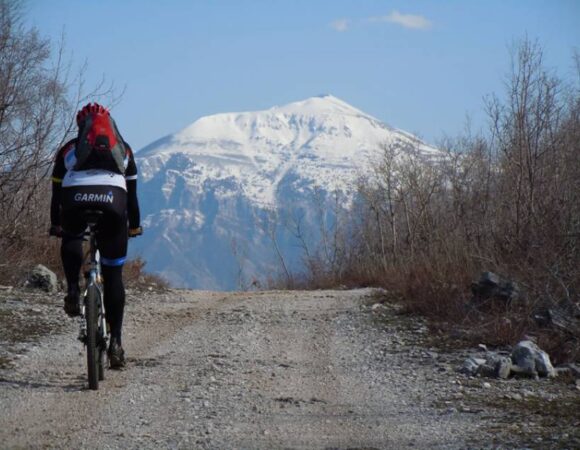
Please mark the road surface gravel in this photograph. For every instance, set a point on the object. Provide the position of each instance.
(256, 370)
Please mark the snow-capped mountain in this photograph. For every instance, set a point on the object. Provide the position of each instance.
(212, 195)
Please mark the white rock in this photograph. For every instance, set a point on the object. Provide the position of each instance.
(532, 360)
(471, 365)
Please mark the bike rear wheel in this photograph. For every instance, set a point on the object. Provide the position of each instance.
(102, 359)
(93, 353)
(101, 366)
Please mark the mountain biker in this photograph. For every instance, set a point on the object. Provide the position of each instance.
(97, 185)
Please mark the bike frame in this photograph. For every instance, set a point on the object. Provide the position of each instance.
(93, 280)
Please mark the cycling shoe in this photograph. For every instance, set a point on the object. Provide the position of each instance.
(116, 355)
(71, 304)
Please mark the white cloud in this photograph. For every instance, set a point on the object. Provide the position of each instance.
(340, 25)
(405, 20)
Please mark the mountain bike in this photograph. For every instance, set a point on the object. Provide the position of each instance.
(93, 325)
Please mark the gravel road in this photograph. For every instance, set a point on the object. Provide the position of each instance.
(261, 370)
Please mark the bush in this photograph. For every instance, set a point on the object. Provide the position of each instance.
(135, 276)
(507, 201)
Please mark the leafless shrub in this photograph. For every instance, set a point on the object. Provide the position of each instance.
(506, 201)
(38, 99)
(135, 276)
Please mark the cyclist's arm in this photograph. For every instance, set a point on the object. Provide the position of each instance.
(133, 205)
(132, 201)
(58, 173)
(55, 204)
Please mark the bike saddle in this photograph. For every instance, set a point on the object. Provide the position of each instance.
(92, 216)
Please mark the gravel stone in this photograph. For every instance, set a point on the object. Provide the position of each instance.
(260, 370)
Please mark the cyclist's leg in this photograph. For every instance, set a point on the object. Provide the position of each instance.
(114, 249)
(112, 241)
(114, 299)
(71, 251)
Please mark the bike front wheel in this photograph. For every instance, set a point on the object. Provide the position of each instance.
(93, 351)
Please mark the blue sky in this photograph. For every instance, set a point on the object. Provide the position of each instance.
(421, 66)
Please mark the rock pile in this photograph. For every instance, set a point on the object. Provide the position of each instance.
(491, 286)
(42, 278)
(526, 359)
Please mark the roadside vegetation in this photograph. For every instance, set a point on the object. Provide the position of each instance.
(34, 119)
(40, 93)
(506, 200)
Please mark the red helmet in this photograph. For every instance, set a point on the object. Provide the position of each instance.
(90, 109)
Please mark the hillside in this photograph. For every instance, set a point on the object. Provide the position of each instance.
(216, 194)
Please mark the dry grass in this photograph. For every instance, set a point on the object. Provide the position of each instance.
(439, 289)
(135, 276)
(22, 256)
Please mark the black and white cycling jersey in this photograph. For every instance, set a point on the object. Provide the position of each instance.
(65, 174)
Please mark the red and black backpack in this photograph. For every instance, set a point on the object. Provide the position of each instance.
(99, 143)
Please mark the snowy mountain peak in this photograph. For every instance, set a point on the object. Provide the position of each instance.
(280, 124)
(320, 105)
(314, 139)
(205, 185)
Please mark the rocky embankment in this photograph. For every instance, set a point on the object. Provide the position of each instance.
(300, 370)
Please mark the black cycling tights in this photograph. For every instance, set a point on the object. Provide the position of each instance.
(72, 258)
(114, 299)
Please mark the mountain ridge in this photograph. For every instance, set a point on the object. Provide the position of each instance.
(209, 185)
(263, 145)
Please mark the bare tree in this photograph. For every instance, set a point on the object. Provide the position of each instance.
(37, 107)
(268, 221)
(524, 128)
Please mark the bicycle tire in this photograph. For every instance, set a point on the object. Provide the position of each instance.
(102, 362)
(91, 312)
(101, 365)
(102, 338)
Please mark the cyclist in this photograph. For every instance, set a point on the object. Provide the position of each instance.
(96, 184)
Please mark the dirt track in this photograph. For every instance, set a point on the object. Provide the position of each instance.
(258, 370)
